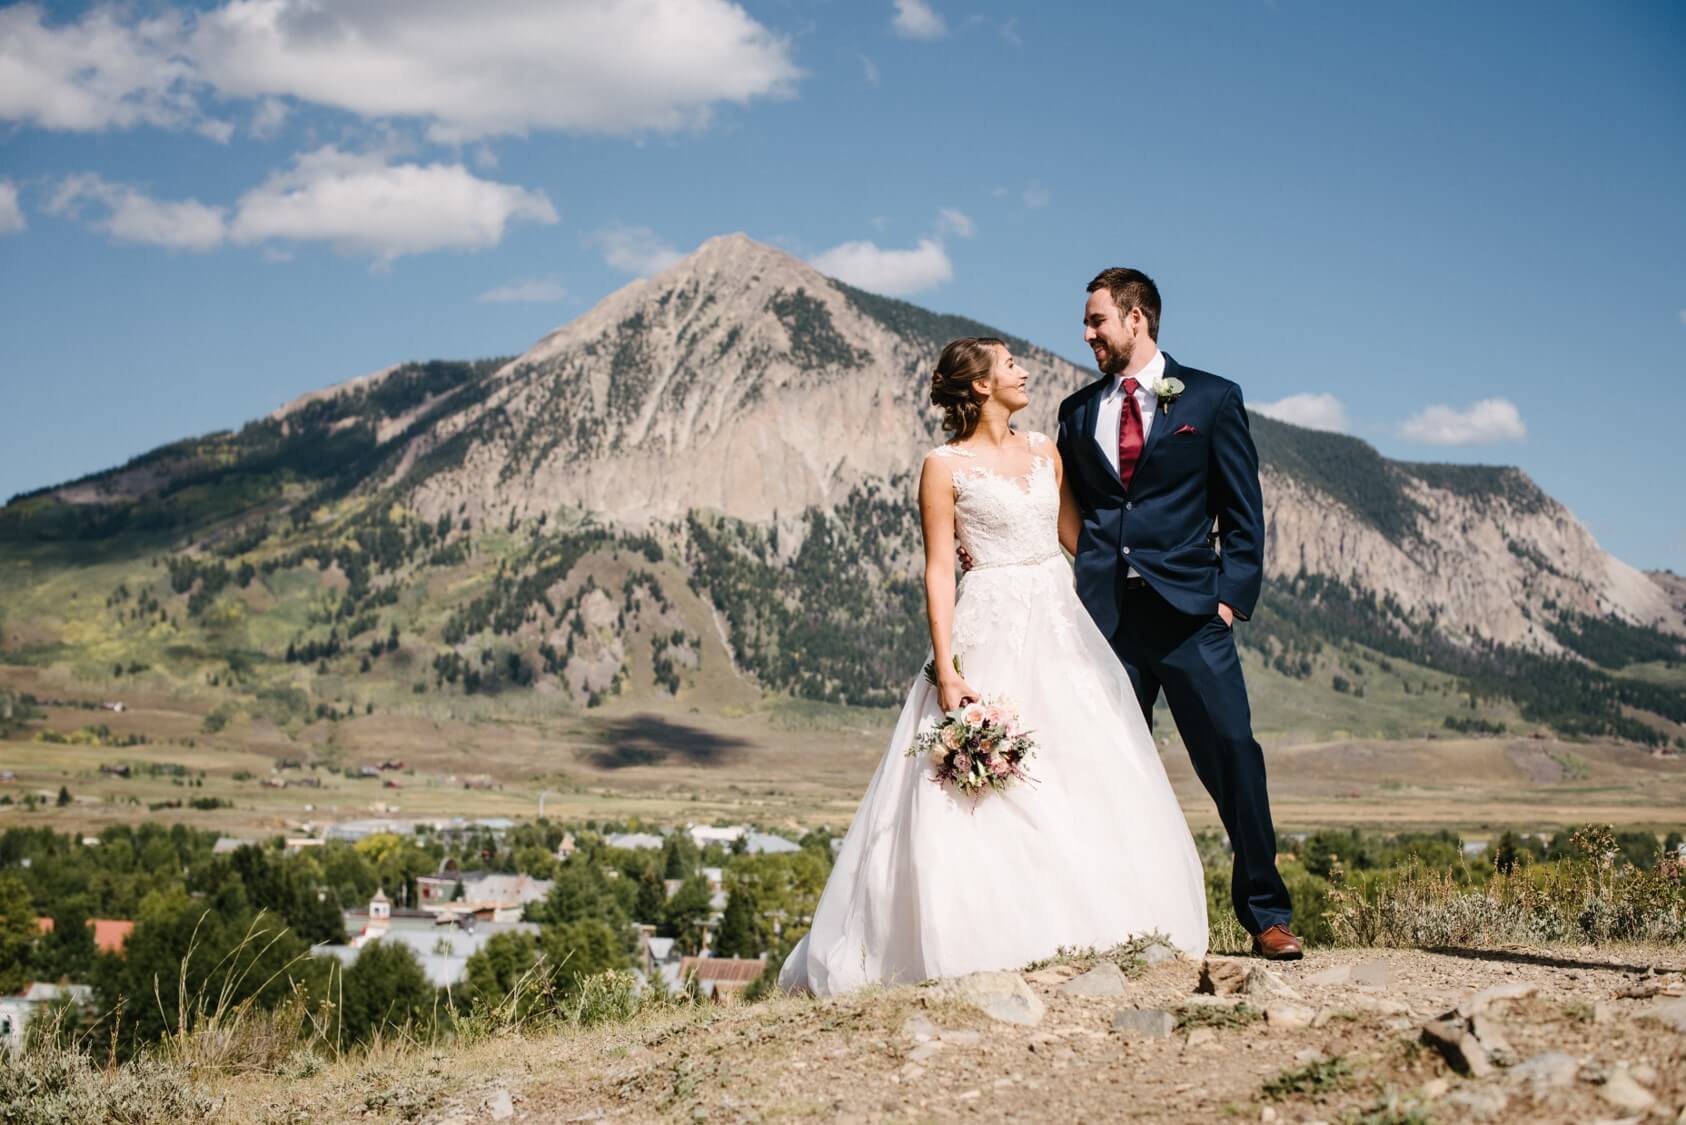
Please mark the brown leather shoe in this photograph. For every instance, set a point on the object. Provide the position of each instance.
(1277, 944)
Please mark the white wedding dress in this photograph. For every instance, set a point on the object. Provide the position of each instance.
(1092, 852)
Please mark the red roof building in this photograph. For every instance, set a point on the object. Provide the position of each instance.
(109, 933)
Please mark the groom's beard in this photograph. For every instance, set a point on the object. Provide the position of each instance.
(1111, 360)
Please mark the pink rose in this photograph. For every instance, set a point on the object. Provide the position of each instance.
(974, 714)
(951, 737)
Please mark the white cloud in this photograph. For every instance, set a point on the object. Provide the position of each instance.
(107, 70)
(1036, 196)
(1490, 420)
(636, 250)
(1313, 411)
(11, 215)
(950, 221)
(363, 205)
(605, 66)
(359, 203)
(130, 215)
(609, 66)
(871, 70)
(916, 19)
(268, 118)
(891, 272)
(1683, 316)
(524, 292)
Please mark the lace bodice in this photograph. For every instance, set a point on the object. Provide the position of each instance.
(1005, 521)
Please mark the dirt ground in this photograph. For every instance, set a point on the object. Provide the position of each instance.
(1589, 1044)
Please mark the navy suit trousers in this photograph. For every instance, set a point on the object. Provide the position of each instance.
(1194, 660)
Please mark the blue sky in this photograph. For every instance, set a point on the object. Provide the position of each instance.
(1454, 230)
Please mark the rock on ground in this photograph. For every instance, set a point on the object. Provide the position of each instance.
(998, 995)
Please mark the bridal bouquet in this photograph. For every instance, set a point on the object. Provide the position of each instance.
(976, 747)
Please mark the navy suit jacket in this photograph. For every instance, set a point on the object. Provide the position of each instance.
(1198, 466)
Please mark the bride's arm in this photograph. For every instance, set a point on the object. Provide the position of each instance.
(936, 516)
(1071, 519)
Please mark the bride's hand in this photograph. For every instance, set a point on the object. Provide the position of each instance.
(954, 692)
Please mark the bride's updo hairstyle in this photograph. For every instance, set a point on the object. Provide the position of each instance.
(963, 362)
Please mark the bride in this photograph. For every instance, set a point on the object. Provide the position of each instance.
(1089, 853)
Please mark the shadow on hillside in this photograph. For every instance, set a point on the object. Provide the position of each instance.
(1546, 960)
(649, 740)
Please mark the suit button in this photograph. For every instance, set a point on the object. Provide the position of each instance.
(1129, 505)
(1126, 550)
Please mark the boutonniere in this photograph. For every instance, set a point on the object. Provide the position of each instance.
(1169, 390)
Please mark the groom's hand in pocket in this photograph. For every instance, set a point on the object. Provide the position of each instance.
(1227, 614)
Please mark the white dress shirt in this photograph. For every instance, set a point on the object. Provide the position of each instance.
(1111, 413)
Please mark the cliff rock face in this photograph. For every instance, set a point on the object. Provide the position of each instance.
(740, 380)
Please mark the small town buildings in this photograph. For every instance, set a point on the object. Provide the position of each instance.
(491, 895)
(634, 840)
(16, 1011)
(721, 979)
(443, 940)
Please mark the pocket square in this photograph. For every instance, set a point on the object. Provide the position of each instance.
(1185, 430)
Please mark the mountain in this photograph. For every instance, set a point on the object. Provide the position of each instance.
(749, 428)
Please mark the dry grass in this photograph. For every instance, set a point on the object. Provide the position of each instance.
(1597, 901)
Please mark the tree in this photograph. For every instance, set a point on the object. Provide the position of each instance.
(687, 914)
(577, 950)
(496, 968)
(580, 892)
(651, 903)
(679, 857)
(236, 954)
(384, 990)
(740, 930)
(68, 951)
(64, 796)
(1506, 852)
(17, 933)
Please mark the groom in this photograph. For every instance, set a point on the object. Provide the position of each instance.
(1154, 453)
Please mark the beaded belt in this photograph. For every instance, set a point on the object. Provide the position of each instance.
(1024, 562)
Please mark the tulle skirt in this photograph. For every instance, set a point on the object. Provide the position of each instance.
(1090, 853)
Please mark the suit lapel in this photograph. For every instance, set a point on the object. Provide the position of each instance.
(1103, 470)
(1164, 420)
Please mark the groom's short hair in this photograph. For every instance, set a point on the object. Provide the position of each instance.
(1131, 289)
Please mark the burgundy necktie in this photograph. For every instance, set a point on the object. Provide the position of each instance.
(1130, 438)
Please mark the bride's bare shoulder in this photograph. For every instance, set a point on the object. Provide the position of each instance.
(947, 450)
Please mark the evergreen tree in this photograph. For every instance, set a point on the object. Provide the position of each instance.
(17, 933)
(651, 904)
(679, 857)
(687, 914)
(64, 796)
(740, 932)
